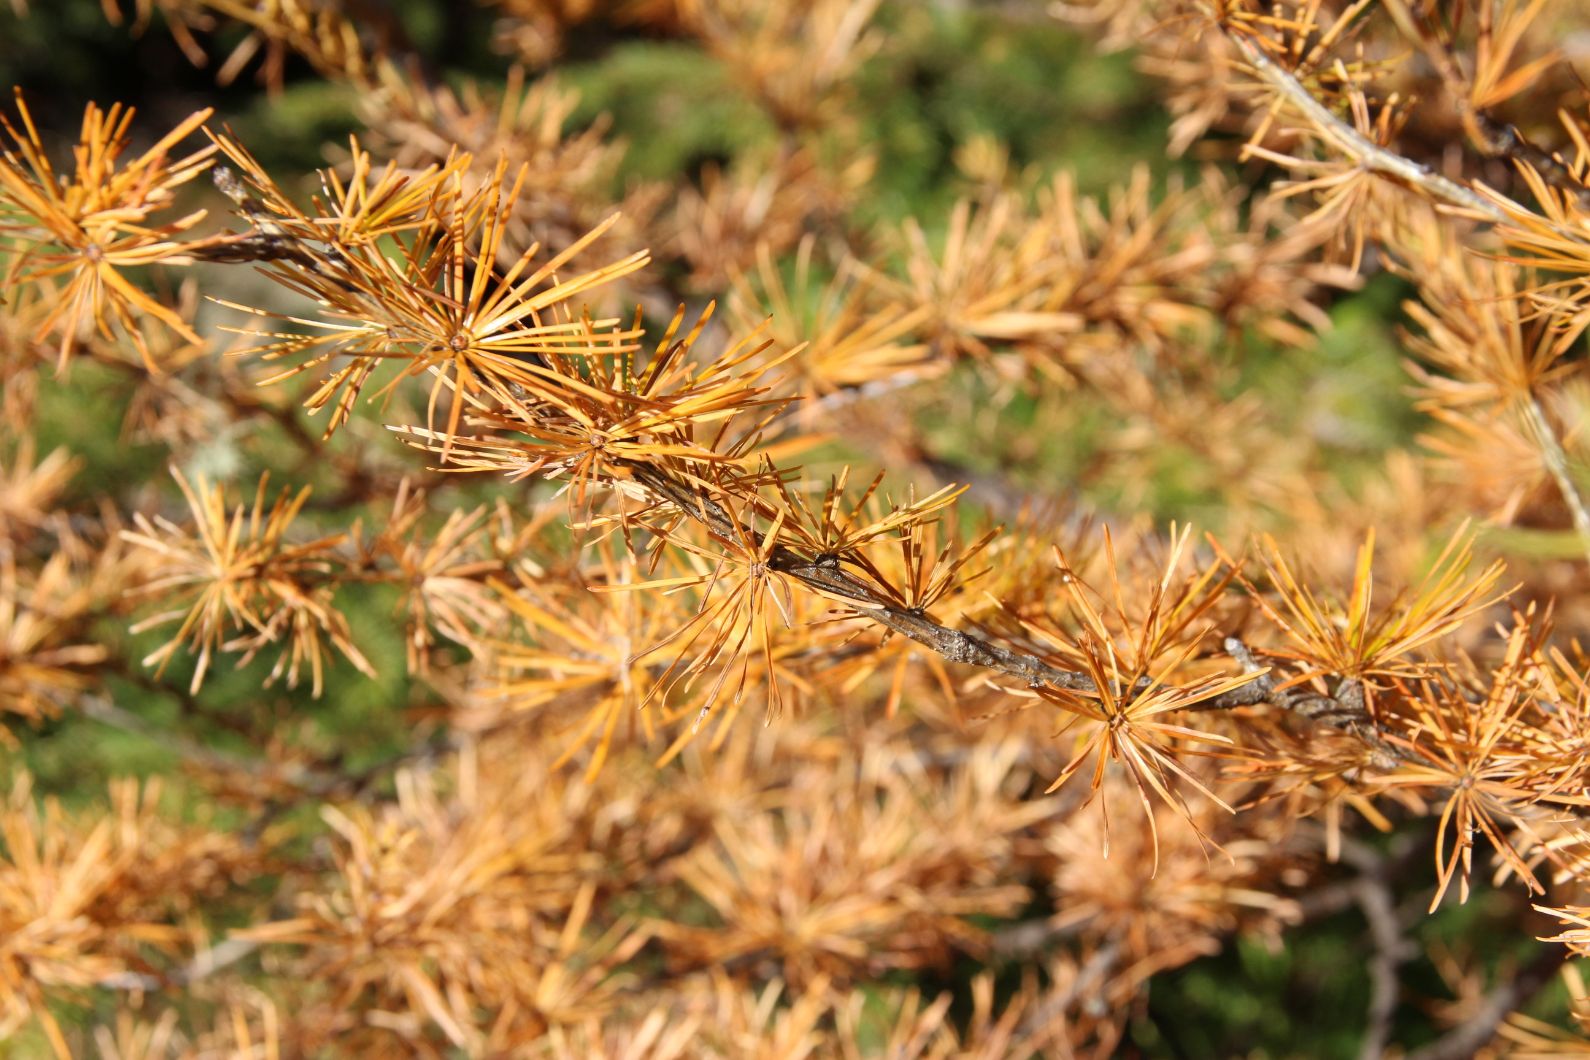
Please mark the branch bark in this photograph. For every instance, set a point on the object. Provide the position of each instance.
(826, 575)
(830, 578)
(1354, 145)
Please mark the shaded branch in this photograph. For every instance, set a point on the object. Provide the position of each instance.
(1373, 894)
(204, 964)
(102, 710)
(1508, 996)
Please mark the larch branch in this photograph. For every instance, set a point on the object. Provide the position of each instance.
(1354, 145)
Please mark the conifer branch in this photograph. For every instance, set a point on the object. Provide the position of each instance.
(826, 575)
(1353, 144)
(1385, 162)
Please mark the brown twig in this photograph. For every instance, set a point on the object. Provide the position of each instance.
(1353, 144)
(827, 575)
(204, 964)
(1094, 971)
(1373, 894)
(102, 710)
(1507, 997)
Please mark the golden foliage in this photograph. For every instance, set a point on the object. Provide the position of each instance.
(553, 864)
(73, 234)
(243, 586)
(86, 899)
